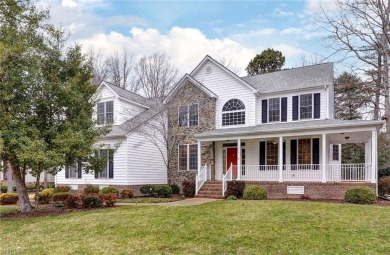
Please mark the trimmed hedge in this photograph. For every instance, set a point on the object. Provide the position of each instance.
(108, 199)
(255, 192)
(72, 201)
(360, 195)
(127, 193)
(8, 198)
(109, 190)
(163, 190)
(384, 186)
(90, 189)
(92, 201)
(189, 188)
(147, 190)
(61, 196)
(235, 188)
(45, 196)
(64, 188)
(175, 189)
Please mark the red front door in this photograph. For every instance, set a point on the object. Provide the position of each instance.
(232, 160)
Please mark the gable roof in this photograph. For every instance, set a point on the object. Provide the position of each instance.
(208, 58)
(181, 83)
(128, 95)
(292, 79)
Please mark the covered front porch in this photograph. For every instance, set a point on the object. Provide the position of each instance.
(309, 156)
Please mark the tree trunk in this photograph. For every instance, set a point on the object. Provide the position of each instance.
(25, 204)
(45, 179)
(37, 188)
(9, 179)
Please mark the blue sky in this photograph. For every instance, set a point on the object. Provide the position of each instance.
(188, 30)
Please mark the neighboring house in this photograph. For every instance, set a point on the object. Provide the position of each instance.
(277, 130)
(132, 160)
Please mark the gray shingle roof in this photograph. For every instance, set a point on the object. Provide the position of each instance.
(138, 120)
(292, 79)
(289, 126)
(129, 95)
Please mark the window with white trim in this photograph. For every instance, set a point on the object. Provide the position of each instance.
(233, 113)
(189, 115)
(105, 112)
(306, 106)
(304, 151)
(188, 157)
(107, 170)
(336, 154)
(274, 109)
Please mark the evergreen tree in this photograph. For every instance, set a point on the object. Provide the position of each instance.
(268, 61)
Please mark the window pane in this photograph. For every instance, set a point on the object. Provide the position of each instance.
(104, 172)
(336, 152)
(233, 105)
(100, 113)
(274, 109)
(233, 118)
(109, 112)
(182, 157)
(272, 154)
(193, 115)
(305, 106)
(193, 156)
(73, 171)
(183, 116)
(304, 151)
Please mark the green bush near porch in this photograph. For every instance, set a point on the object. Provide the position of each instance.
(255, 192)
(360, 195)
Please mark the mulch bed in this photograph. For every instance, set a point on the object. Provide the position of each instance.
(44, 212)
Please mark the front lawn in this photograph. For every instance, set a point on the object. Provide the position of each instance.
(147, 200)
(221, 227)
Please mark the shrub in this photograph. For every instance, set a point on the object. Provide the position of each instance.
(45, 196)
(384, 185)
(163, 191)
(127, 193)
(255, 193)
(175, 189)
(189, 188)
(109, 190)
(30, 187)
(235, 188)
(89, 189)
(360, 195)
(72, 201)
(51, 185)
(231, 197)
(4, 188)
(382, 172)
(8, 198)
(92, 201)
(62, 189)
(61, 196)
(147, 190)
(109, 199)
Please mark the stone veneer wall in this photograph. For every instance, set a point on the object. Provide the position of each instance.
(189, 94)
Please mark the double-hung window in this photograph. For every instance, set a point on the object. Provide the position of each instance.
(188, 157)
(73, 171)
(107, 168)
(105, 112)
(274, 109)
(189, 115)
(306, 106)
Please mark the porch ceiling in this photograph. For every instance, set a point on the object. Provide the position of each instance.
(329, 125)
(349, 137)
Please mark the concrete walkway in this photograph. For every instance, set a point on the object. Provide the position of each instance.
(185, 202)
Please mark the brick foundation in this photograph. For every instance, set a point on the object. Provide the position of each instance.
(315, 190)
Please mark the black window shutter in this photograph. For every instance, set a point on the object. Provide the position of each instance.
(284, 153)
(317, 105)
(316, 151)
(293, 149)
(264, 111)
(284, 109)
(79, 172)
(111, 164)
(295, 108)
(262, 153)
(66, 172)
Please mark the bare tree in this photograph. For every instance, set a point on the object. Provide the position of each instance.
(307, 60)
(155, 75)
(99, 65)
(119, 70)
(226, 62)
(359, 29)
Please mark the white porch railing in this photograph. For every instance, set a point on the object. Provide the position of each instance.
(202, 177)
(309, 173)
(228, 176)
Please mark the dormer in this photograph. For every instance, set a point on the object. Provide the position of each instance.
(115, 105)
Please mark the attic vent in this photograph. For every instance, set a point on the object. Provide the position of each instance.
(209, 69)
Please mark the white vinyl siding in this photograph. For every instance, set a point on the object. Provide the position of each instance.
(226, 87)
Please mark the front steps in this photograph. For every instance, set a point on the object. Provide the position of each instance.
(211, 189)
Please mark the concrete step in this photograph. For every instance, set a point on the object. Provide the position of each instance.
(211, 188)
(205, 192)
(210, 196)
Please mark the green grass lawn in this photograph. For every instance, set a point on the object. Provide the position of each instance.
(146, 200)
(221, 227)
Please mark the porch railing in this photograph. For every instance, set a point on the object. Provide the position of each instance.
(228, 176)
(202, 177)
(310, 172)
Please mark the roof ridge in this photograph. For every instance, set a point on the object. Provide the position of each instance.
(111, 84)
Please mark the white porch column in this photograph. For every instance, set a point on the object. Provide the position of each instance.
(238, 159)
(374, 159)
(367, 160)
(199, 157)
(324, 158)
(280, 160)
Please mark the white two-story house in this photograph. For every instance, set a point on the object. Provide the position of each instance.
(132, 159)
(276, 130)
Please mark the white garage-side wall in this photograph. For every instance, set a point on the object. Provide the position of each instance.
(126, 110)
(145, 161)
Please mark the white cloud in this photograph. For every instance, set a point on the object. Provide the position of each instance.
(69, 3)
(280, 13)
(316, 6)
(291, 30)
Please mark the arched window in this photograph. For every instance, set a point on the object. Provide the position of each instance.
(233, 113)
